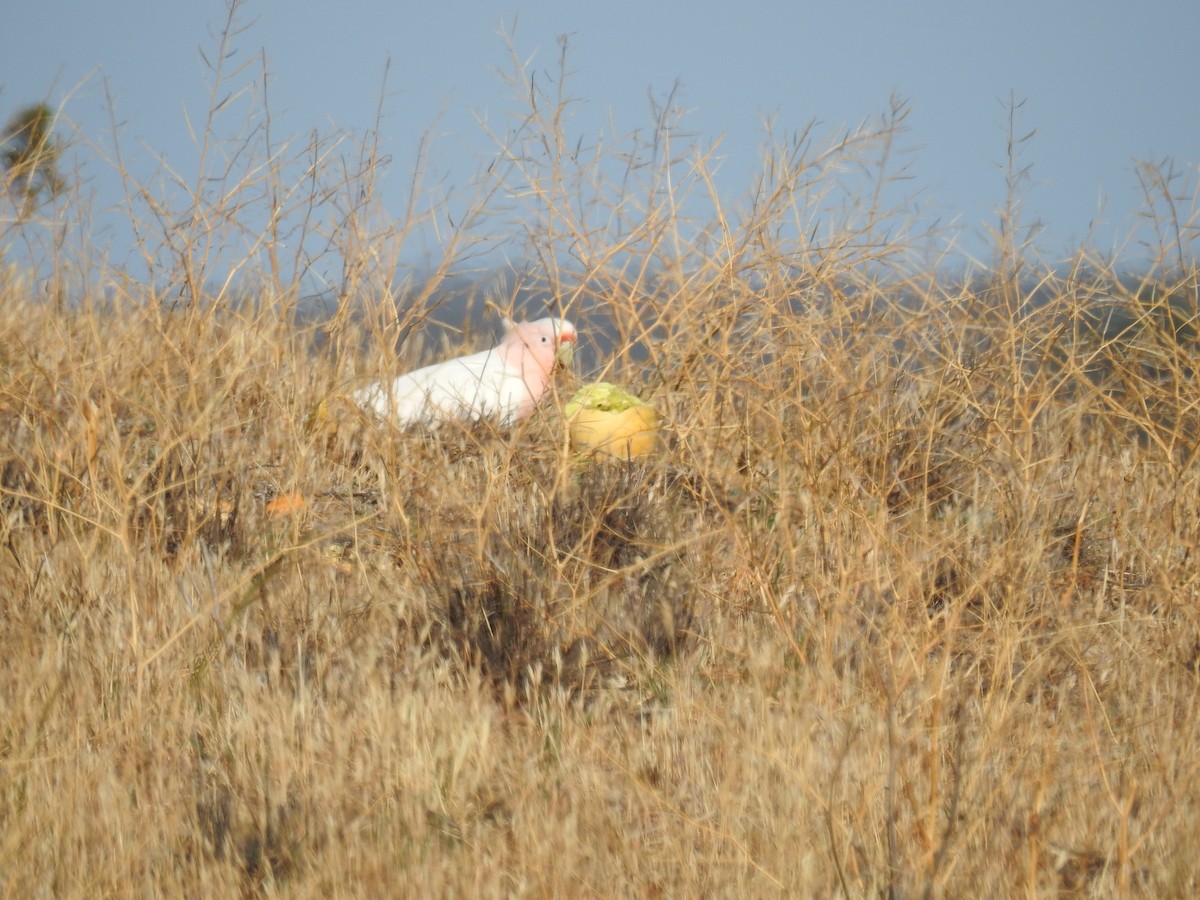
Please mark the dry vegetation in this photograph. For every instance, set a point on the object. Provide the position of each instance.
(907, 604)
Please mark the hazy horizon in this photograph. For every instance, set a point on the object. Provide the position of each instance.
(1090, 105)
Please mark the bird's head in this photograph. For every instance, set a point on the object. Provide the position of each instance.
(548, 341)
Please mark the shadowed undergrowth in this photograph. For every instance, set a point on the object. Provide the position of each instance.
(906, 602)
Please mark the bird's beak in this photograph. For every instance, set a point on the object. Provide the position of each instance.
(566, 348)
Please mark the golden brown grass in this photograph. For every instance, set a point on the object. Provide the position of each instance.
(906, 604)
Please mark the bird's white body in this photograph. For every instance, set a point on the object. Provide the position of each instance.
(503, 383)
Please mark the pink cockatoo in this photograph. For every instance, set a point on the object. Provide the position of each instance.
(504, 383)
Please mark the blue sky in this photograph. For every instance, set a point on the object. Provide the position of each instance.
(1104, 82)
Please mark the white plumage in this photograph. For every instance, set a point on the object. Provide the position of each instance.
(504, 383)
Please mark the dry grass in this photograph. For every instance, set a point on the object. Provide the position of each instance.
(907, 604)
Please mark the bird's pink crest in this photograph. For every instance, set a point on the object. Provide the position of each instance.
(536, 344)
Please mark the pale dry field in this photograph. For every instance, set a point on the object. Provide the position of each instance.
(905, 604)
